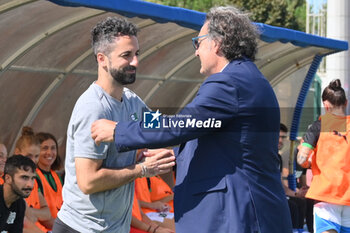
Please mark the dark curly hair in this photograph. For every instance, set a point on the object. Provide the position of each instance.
(18, 162)
(334, 93)
(104, 33)
(234, 30)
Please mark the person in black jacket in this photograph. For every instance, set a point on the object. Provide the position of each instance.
(19, 178)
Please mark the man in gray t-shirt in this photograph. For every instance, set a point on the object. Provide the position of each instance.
(98, 189)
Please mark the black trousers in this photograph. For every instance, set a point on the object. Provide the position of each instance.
(310, 214)
(297, 207)
(61, 227)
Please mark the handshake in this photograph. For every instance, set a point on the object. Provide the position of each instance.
(151, 162)
(155, 162)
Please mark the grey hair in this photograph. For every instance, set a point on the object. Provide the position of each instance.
(235, 32)
(105, 32)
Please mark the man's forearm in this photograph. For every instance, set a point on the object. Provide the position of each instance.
(106, 179)
(42, 214)
(92, 177)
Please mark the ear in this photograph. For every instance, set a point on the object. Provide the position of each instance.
(327, 105)
(102, 59)
(216, 47)
(7, 179)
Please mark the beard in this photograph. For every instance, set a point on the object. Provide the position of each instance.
(122, 76)
(20, 192)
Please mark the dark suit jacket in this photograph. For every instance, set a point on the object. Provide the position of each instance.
(227, 179)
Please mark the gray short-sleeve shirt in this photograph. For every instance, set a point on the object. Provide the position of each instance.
(108, 211)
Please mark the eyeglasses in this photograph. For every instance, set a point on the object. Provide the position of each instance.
(195, 41)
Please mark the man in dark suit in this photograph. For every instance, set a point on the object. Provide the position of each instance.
(227, 170)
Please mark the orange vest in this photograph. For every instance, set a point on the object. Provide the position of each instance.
(1, 181)
(142, 192)
(160, 189)
(33, 201)
(331, 163)
(136, 211)
(53, 198)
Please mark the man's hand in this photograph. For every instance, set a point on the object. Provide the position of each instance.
(160, 206)
(153, 152)
(157, 162)
(302, 192)
(140, 154)
(103, 131)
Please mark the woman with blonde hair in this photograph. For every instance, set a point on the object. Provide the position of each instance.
(38, 211)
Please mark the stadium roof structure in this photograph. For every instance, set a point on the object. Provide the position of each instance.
(46, 61)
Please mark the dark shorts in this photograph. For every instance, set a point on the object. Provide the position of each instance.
(61, 227)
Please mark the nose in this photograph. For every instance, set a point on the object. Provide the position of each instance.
(196, 53)
(47, 151)
(135, 61)
(30, 183)
(280, 140)
(51, 150)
